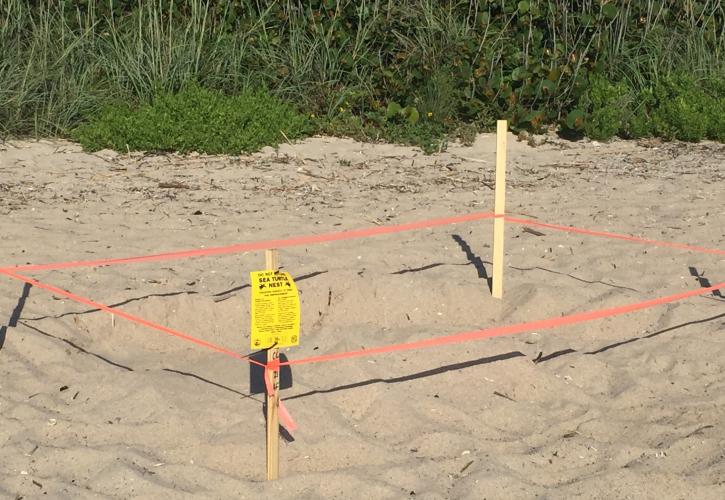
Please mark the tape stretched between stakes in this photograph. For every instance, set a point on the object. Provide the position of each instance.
(348, 235)
(431, 342)
(284, 414)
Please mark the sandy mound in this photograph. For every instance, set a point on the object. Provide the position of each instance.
(626, 407)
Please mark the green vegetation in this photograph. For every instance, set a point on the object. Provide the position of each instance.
(195, 119)
(413, 71)
(676, 107)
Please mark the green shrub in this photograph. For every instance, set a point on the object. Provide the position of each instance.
(716, 122)
(686, 109)
(402, 125)
(427, 135)
(675, 107)
(680, 109)
(639, 126)
(195, 119)
(716, 110)
(610, 107)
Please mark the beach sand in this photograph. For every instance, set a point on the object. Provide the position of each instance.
(631, 406)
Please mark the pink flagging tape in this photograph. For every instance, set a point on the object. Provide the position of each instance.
(260, 245)
(604, 234)
(284, 415)
(348, 235)
(286, 418)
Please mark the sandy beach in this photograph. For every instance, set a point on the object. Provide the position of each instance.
(631, 406)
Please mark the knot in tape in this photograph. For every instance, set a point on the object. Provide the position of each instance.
(273, 365)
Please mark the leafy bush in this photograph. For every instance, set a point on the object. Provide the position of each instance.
(680, 107)
(640, 123)
(397, 124)
(427, 135)
(681, 110)
(195, 119)
(675, 107)
(610, 105)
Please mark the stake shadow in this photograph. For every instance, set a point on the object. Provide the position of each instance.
(475, 260)
(15, 315)
(256, 383)
(412, 376)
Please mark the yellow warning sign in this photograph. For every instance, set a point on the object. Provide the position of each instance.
(275, 310)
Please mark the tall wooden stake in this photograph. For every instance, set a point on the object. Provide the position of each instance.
(499, 209)
(272, 264)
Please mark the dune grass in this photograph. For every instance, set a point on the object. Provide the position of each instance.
(457, 64)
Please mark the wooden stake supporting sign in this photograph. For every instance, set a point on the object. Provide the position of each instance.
(499, 209)
(272, 264)
(275, 323)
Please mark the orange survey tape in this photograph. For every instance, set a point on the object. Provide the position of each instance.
(127, 316)
(284, 415)
(349, 235)
(604, 234)
(261, 245)
(499, 331)
(431, 342)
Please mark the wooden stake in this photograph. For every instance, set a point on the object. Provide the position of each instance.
(499, 209)
(272, 264)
